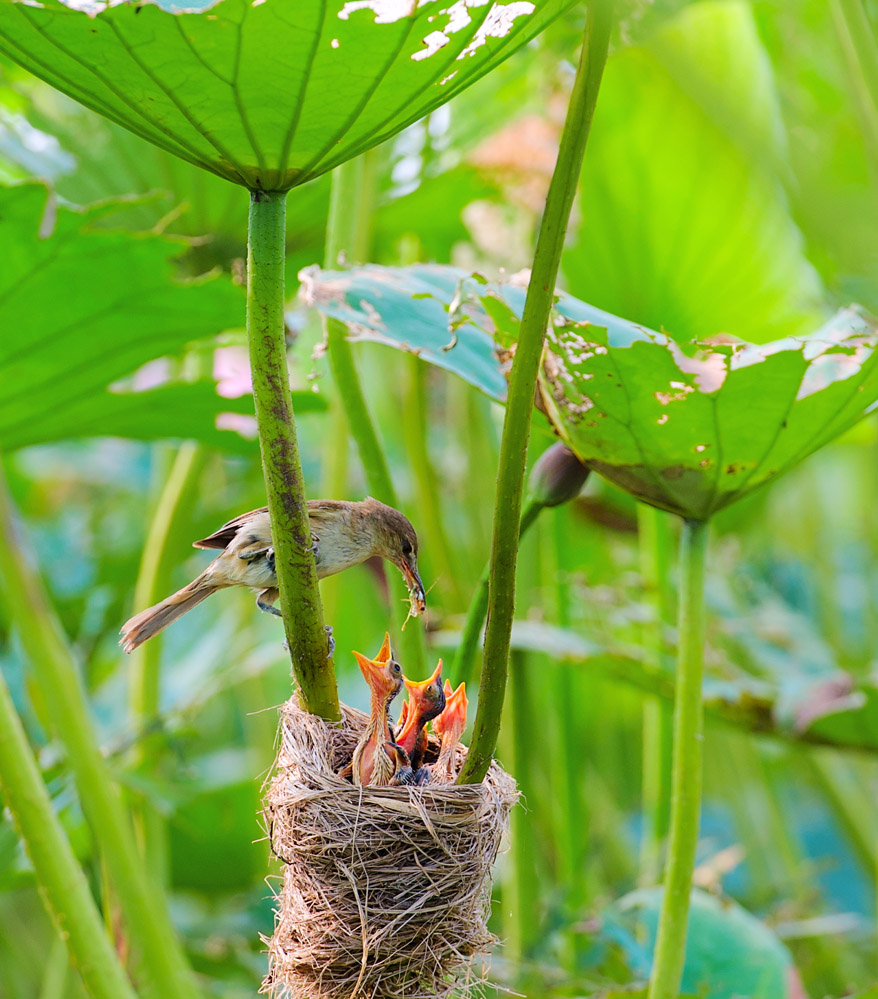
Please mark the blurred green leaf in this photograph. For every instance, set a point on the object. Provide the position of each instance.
(184, 410)
(685, 225)
(83, 308)
(195, 83)
(729, 952)
(775, 699)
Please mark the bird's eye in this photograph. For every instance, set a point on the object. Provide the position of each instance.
(406, 547)
(397, 668)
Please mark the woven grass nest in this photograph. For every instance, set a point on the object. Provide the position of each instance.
(386, 891)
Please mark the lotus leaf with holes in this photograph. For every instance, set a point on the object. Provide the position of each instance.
(267, 94)
(688, 428)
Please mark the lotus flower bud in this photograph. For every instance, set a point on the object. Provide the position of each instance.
(557, 476)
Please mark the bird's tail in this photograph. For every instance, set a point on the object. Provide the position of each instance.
(154, 619)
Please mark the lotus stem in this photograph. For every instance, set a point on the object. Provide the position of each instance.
(347, 233)
(63, 885)
(655, 554)
(468, 647)
(300, 602)
(161, 959)
(670, 947)
(516, 424)
(145, 678)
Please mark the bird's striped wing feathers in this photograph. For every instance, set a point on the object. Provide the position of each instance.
(318, 511)
(226, 534)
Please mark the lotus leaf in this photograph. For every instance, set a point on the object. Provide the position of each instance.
(691, 428)
(267, 94)
(688, 427)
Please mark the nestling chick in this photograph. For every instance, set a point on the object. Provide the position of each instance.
(375, 760)
(426, 701)
(344, 535)
(449, 727)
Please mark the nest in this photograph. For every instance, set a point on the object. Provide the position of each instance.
(386, 891)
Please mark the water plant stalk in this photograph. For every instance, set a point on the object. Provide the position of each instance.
(300, 602)
(670, 947)
(153, 582)
(144, 908)
(429, 506)
(468, 646)
(655, 543)
(62, 884)
(516, 424)
(347, 229)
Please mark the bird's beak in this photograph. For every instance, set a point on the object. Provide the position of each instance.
(372, 671)
(417, 598)
(416, 690)
(384, 653)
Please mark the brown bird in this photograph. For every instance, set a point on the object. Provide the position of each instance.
(426, 701)
(373, 762)
(449, 727)
(344, 535)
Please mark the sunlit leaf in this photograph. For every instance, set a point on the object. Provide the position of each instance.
(684, 222)
(267, 95)
(81, 309)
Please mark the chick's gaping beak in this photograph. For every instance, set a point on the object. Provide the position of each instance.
(408, 566)
(417, 689)
(372, 671)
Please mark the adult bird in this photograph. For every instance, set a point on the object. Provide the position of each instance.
(449, 727)
(373, 762)
(344, 534)
(426, 701)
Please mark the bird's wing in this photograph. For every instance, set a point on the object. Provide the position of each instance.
(323, 512)
(226, 534)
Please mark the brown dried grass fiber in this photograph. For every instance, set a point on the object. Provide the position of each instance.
(386, 891)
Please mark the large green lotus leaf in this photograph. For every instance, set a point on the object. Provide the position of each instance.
(267, 95)
(692, 428)
(684, 223)
(81, 309)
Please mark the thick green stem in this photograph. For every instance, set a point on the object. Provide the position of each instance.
(519, 406)
(162, 962)
(341, 239)
(346, 234)
(655, 556)
(153, 583)
(670, 947)
(284, 484)
(63, 886)
(468, 647)
(416, 427)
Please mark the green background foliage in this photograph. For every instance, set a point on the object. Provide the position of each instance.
(729, 188)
